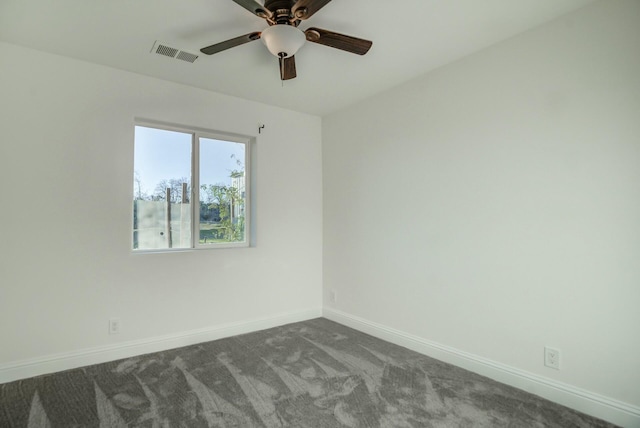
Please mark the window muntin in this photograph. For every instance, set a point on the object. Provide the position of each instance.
(172, 168)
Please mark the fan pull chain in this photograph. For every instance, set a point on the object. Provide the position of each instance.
(281, 60)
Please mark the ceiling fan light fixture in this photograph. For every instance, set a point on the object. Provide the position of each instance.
(283, 40)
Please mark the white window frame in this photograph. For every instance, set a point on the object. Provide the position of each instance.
(196, 135)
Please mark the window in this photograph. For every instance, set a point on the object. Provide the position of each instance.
(173, 168)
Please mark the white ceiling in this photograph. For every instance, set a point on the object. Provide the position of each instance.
(409, 38)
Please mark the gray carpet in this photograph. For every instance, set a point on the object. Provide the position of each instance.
(312, 374)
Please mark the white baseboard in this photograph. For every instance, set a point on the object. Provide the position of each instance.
(602, 407)
(84, 357)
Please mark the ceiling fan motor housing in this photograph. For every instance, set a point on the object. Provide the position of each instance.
(274, 5)
(282, 12)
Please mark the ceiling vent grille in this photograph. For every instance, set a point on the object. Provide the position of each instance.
(186, 56)
(162, 49)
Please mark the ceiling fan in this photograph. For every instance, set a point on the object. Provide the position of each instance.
(283, 38)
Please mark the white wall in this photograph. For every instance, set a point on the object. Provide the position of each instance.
(66, 167)
(493, 205)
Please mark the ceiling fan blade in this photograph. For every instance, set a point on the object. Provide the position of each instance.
(303, 9)
(231, 43)
(287, 68)
(255, 8)
(338, 41)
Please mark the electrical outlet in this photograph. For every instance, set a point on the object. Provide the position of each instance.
(333, 296)
(552, 358)
(114, 326)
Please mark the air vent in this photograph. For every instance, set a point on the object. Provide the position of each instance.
(186, 56)
(162, 49)
(166, 50)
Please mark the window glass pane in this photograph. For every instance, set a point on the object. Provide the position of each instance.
(161, 189)
(222, 192)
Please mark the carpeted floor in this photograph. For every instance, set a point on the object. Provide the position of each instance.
(312, 374)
